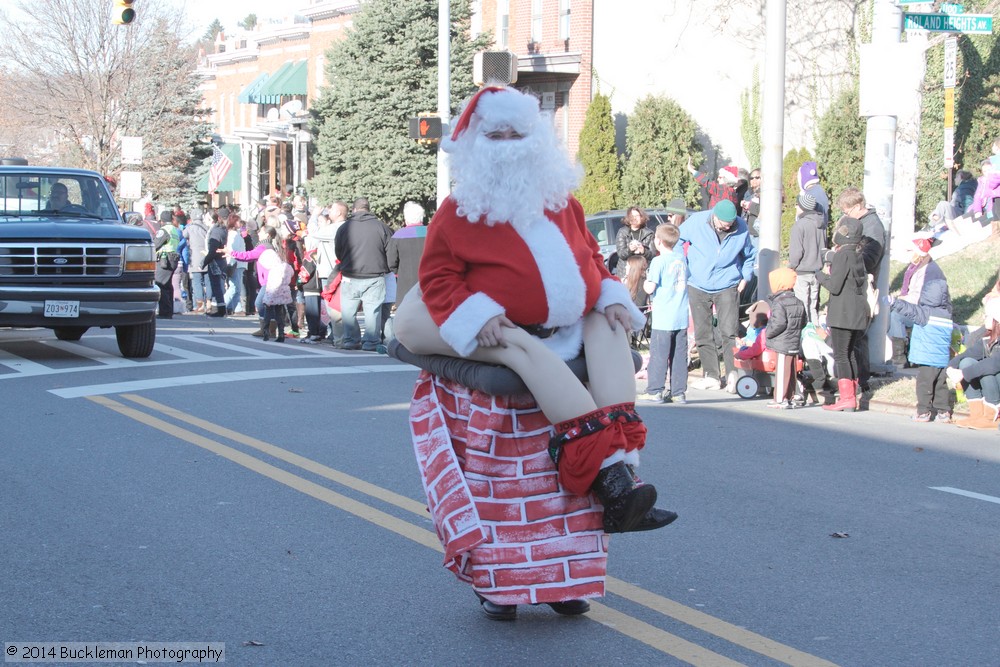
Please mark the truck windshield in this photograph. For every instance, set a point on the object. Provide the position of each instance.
(56, 196)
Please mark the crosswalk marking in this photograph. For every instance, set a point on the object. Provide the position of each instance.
(21, 365)
(100, 356)
(213, 342)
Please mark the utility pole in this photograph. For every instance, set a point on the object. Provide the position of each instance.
(772, 153)
(880, 165)
(444, 95)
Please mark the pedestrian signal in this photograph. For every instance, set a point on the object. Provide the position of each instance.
(123, 12)
(425, 128)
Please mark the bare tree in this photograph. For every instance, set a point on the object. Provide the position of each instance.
(75, 84)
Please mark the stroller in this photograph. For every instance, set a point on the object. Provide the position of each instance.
(757, 376)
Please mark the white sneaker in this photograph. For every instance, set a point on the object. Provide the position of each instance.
(707, 383)
(731, 382)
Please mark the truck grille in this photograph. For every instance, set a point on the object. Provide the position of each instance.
(91, 260)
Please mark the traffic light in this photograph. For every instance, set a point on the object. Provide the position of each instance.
(425, 128)
(123, 12)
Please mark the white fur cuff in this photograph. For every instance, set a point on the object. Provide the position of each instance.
(612, 292)
(463, 325)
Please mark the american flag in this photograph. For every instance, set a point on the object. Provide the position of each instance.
(219, 169)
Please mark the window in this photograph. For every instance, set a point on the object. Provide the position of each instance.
(564, 19)
(536, 21)
(503, 23)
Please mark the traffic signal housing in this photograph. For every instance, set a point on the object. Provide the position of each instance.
(123, 12)
(426, 129)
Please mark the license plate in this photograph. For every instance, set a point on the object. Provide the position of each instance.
(62, 309)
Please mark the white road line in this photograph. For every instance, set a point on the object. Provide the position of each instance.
(261, 354)
(100, 356)
(967, 494)
(162, 383)
(186, 355)
(21, 365)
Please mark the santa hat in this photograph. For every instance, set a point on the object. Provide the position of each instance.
(922, 245)
(729, 174)
(494, 108)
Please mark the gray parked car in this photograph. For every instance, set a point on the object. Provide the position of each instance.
(605, 225)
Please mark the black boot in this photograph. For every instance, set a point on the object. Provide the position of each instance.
(654, 518)
(625, 502)
(899, 352)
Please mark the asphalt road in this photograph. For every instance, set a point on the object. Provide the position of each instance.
(265, 495)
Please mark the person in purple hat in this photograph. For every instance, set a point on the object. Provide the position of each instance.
(809, 184)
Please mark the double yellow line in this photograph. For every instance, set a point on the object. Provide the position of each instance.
(620, 622)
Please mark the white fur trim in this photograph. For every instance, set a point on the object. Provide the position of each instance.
(613, 291)
(464, 323)
(565, 291)
(507, 108)
(632, 458)
(567, 341)
(615, 457)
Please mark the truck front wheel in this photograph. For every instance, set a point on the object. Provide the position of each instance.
(136, 340)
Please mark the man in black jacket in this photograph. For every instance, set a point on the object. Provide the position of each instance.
(362, 244)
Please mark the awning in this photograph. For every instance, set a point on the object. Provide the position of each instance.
(290, 79)
(231, 181)
(246, 96)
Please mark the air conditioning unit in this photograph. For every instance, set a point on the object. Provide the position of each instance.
(494, 68)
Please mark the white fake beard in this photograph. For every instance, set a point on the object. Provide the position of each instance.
(514, 180)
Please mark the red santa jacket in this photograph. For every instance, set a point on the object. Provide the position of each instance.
(550, 274)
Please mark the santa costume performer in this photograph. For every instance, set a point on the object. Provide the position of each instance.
(511, 275)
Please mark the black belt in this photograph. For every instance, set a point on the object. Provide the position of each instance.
(537, 330)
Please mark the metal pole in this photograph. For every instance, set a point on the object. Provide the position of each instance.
(880, 165)
(772, 153)
(444, 94)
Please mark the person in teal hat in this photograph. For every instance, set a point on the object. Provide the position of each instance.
(721, 262)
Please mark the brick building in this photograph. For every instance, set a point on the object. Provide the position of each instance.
(553, 43)
(258, 86)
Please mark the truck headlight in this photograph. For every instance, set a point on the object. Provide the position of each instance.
(139, 258)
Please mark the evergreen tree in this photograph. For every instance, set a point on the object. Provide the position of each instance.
(840, 144)
(601, 185)
(213, 29)
(750, 123)
(380, 75)
(250, 22)
(790, 183)
(658, 142)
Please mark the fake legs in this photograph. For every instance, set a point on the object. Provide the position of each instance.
(596, 430)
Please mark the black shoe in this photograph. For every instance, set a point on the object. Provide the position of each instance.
(570, 607)
(656, 518)
(498, 612)
(218, 313)
(625, 502)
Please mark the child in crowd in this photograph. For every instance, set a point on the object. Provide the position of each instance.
(277, 292)
(930, 348)
(666, 282)
(784, 334)
(635, 277)
(756, 322)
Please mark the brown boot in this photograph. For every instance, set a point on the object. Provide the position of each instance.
(982, 416)
(260, 330)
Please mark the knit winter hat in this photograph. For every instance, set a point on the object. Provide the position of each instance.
(725, 211)
(808, 174)
(806, 202)
(729, 174)
(781, 280)
(848, 231)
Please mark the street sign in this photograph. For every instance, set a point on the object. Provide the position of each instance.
(950, 61)
(969, 24)
(130, 185)
(949, 107)
(131, 150)
(951, 8)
